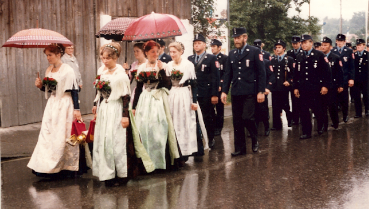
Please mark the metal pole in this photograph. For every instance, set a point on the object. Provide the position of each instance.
(341, 16)
(229, 22)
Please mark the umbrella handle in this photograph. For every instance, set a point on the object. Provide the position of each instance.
(125, 54)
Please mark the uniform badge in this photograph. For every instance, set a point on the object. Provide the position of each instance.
(202, 67)
(217, 64)
(345, 59)
(164, 58)
(221, 67)
(247, 63)
(261, 57)
(298, 67)
(353, 56)
(294, 65)
(341, 63)
(271, 68)
(326, 59)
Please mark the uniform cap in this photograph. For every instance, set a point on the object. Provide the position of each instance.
(360, 41)
(257, 42)
(341, 37)
(327, 40)
(160, 41)
(199, 37)
(238, 31)
(296, 39)
(354, 47)
(280, 42)
(306, 37)
(215, 42)
(348, 44)
(317, 44)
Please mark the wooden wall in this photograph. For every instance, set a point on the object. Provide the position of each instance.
(78, 20)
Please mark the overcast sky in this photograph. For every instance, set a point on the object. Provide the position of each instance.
(322, 8)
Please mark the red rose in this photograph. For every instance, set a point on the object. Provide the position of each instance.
(154, 73)
(98, 77)
(148, 74)
(100, 86)
(133, 71)
(94, 82)
(45, 79)
(103, 83)
(142, 74)
(51, 79)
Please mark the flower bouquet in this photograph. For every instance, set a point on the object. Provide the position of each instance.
(133, 73)
(49, 83)
(103, 87)
(147, 76)
(176, 75)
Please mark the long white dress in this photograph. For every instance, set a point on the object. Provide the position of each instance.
(109, 150)
(52, 154)
(180, 100)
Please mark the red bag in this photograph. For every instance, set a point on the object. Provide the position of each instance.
(91, 132)
(78, 134)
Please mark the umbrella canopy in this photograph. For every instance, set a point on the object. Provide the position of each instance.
(36, 38)
(115, 29)
(154, 26)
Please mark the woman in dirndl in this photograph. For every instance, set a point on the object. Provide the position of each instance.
(53, 156)
(113, 152)
(183, 99)
(152, 111)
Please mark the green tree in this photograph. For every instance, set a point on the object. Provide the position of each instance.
(268, 20)
(202, 10)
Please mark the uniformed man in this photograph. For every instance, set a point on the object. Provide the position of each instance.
(317, 46)
(245, 70)
(347, 59)
(296, 45)
(331, 99)
(206, 68)
(262, 109)
(283, 66)
(216, 47)
(163, 56)
(354, 49)
(361, 78)
(311, 80)
(260, 45)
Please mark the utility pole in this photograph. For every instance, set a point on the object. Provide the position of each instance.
(341, 16)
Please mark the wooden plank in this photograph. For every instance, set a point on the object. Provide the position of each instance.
(140, 6)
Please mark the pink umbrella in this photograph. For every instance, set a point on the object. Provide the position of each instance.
(115, 29)
(154, 26)
(36, 38)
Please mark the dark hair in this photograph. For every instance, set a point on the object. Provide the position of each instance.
(114, 49)
(55, 49)
(139, 45)
(149, 45)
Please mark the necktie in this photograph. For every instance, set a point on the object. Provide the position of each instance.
(279, 58)
(239, 51)
(197, 59)
(340, 51)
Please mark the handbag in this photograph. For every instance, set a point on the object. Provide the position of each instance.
(91, 131)
(78, 133)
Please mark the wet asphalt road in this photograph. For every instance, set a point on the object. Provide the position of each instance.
(328, 171)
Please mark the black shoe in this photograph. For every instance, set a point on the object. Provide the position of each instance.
(345, 119)
(366, 113)
(211, 143)
(267, 132)
(305, 136)
(357, 116)
(255, 147)
(335, 125)
(276, 129)
(237, 153)
(289, 123)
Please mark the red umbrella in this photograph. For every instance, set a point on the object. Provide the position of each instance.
(115, 29)
(36, 38)
(154, 26)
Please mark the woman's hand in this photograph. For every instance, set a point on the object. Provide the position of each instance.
(38, 82)
(194, 106)
(125, 122)
(134, 112)
(94, 108)
(77, 115)
(126, 66)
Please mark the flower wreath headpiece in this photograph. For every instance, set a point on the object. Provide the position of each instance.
(110, 46)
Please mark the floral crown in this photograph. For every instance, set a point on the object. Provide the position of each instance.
(181, 44)
(110, 46)
(57, 45)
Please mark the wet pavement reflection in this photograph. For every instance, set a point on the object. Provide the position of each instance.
(328, 171)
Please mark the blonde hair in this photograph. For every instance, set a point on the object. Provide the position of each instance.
(177, 45)
(114, 49)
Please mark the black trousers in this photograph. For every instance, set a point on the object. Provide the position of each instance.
(310, 100)
(262, 115)
(280, 102)
(219, 117)
(208, 113)
(358, 89)
(332, 101)
(243, 111)
(343, 101)
(295, 107)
